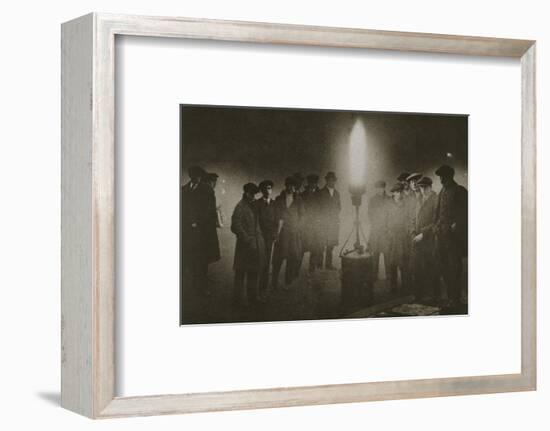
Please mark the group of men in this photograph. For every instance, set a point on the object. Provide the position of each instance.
(422, 235)
(303, 218)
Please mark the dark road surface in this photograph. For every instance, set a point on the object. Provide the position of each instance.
(311, 296)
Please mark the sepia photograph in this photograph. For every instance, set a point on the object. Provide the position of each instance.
(306, 214)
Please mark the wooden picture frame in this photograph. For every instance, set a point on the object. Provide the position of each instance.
(88, 215)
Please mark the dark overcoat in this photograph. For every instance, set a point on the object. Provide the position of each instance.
(413, 201)
(289, 242)
(399, 238)
(330, 216)
(312, 221)
(451, 225)
(377, 209)
(250, 247)
(425, 224)
(200, 243)
(267, 213)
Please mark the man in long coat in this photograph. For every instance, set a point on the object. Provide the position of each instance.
(288, 245)
(378, 220)
(451, 230)
(330, 210)
(399, 239)
(250, 256)
(269, 224)
(413, 200)
(200, 244)
(212, 181)
(312, 224)
(423, 255)
(299, 190)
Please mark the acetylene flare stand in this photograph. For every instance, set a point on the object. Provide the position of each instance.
(356, 277)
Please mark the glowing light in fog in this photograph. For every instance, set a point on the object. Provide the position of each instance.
(358, 154)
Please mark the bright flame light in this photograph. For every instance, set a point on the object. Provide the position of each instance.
(358, 155)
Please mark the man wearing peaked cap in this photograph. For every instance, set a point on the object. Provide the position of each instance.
(414, 177)
(451, 229)
(424, 182)
(403, 177)
(251, 188)
(398, 238)
(422, 257)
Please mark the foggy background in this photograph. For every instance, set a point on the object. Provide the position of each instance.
(252, 144)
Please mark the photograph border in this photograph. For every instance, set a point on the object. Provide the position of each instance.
(88, 202)
(358, 313)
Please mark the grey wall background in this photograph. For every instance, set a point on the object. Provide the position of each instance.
(258, 143)
(247, 144)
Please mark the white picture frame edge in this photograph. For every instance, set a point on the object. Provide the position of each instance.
(88, 214)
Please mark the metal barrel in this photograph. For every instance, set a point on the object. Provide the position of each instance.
(357, 280)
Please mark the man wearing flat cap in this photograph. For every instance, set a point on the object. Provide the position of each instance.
(288, 244)
(423, 255)
(267, 213)
(451, 230)
(312, 227)
(330, 213)
(399, 243)
(377, 209)
(250, 248)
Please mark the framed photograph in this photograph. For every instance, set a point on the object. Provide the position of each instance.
(320, 201)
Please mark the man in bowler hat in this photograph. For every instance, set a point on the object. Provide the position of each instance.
(330, 210)
(312, 231)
